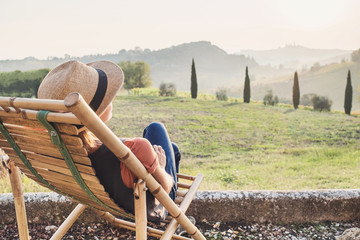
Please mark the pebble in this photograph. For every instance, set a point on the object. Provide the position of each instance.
(216, 225)
(50, 228)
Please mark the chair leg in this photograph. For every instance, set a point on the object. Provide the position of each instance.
(140, 210)
(119, 223)
(170, 230)
(19, 202)
(69, 221)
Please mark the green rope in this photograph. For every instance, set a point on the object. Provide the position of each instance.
(56, 139)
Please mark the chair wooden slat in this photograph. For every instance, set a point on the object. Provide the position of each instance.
(77, 159)
(47, 167)
(184, 185)
(63, 128)
(91, 181)
(187, 177)
(46, 174)
(54, 161)
(44, 142)
(55, 181)
(43, 134)
(75, 190)
(96, 206)
(46, 150)
(78, 192)
(56, 178)
(181, 193)
(178, 200)
(63, 170)
(82, 198)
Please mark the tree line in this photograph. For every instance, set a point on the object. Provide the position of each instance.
(21, 84)
(26, 84)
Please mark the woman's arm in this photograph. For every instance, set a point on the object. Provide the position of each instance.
(154, 160)
(165, 180)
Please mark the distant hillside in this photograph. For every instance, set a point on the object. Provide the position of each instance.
(297, 57)
(214, 66)
(328, 80)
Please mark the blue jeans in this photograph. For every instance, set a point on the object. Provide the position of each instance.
(157, 134)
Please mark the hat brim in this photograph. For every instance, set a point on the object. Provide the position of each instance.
(115, 77)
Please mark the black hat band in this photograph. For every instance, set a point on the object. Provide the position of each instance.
(100, 91)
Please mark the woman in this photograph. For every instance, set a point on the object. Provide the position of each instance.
(98, 83)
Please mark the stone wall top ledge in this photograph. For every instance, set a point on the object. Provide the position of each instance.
(331, 194)
(34, 197)
(249, 206)
(327, 194)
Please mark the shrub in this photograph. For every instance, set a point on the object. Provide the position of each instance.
(321, 103)
(355, 56)
(221, 94)
(269, 99)
(315, 67)
(167, 90)
(306, 99)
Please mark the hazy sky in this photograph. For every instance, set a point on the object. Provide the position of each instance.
(42, 28)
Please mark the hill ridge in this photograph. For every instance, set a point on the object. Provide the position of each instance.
(172, 64)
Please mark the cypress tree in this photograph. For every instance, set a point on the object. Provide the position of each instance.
(296, 91)
(247, 87)
(193, 80)
(348, 95)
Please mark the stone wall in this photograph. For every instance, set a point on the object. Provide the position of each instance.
(227, 206)
(277, 206)
(46, 207)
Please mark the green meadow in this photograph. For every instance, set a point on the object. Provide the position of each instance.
(240, 146)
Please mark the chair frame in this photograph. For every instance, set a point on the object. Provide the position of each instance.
(81, 113)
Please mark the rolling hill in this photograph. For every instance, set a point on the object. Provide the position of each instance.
(297, 57)
(214, 66)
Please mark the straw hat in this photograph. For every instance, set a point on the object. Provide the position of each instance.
(97, 82)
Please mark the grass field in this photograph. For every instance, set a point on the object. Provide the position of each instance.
(241, 146)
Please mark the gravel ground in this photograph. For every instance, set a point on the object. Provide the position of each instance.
(268, 231)
(212, 231)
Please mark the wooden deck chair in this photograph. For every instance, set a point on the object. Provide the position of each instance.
(41, 138)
